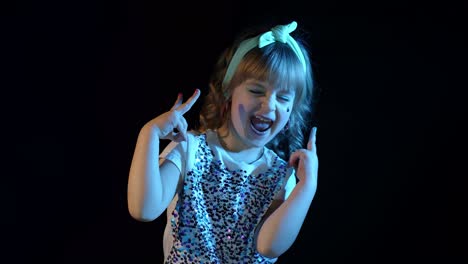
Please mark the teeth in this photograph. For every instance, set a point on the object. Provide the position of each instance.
(261, 124)
(263, 119)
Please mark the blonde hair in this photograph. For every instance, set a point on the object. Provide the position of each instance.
(276, 64)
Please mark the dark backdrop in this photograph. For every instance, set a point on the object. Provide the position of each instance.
(87, 76)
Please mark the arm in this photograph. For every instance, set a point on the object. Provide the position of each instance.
(284, 220)
(150, 187)
(151, 184)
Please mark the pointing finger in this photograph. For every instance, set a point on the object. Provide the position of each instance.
(187, 105)
(312, 139)
(178, 102)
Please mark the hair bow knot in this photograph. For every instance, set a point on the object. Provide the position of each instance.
(279, 33)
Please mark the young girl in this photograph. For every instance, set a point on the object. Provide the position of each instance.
(230, 188)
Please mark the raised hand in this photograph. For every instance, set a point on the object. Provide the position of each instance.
(167, 123)
(305, 161)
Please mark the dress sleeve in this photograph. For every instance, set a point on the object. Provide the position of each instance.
(173, 152)
(290, 184)
(180, 153)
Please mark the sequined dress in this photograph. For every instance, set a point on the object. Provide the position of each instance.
(213, 217)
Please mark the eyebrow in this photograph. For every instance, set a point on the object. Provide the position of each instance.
(266, 85)
(256, 82)
(262, 85)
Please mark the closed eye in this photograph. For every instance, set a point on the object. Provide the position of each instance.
(256, 92)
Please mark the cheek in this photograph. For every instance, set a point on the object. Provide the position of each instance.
(238, 112)
(242, 111)
(286, 114)
(239, 118)
(286, 109)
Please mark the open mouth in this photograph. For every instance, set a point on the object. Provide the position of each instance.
(261, 124)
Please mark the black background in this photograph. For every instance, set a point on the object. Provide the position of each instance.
(86, 76)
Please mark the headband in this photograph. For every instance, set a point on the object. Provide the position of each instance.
(279, 33)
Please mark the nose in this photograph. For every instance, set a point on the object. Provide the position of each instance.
(268, 104)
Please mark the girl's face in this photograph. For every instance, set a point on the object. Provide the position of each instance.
(258, 113)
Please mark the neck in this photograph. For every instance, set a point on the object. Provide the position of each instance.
(236, 149)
